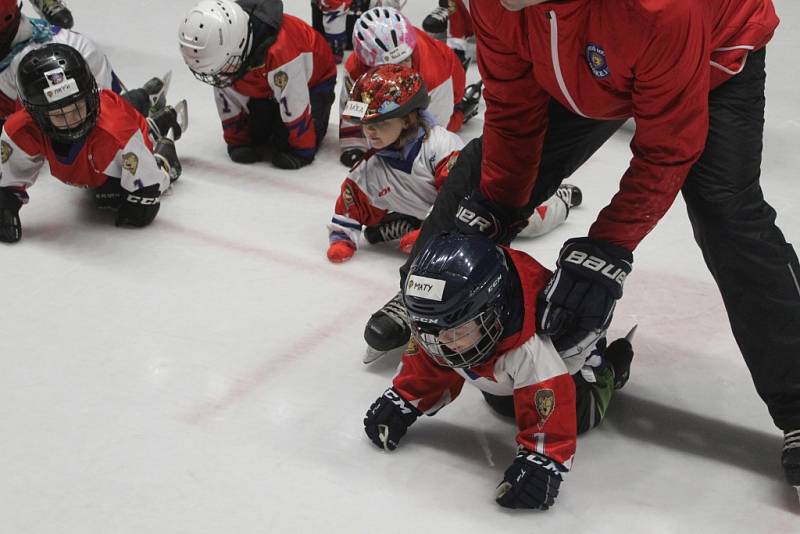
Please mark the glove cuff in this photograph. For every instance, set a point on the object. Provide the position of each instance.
(405, 408)
(540, 460)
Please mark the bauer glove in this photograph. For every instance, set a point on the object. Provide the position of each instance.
(388, 419)
(532, 481)
(478, 215)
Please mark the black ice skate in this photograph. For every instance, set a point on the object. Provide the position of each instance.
(175, 118)
(571, 195)
(55, 12)
(436, 23)
(469, 103)
(387, 330)
(620, 354)
(156, 89)
(790, 459)
(392, 227)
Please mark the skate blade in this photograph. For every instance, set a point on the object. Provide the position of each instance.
(374, 354)
(182, 115)
(159, 100)
(631, 333)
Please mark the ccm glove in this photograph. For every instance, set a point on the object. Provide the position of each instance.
(532, 481)
(578, 301)
(388, 419)
(10, 226)
(243, 154)
(478, 215)
(140, 207)
(167, 158)
(289, 161)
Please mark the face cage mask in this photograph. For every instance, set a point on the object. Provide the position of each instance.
(233, 69)
(68, 134)
(490, 330)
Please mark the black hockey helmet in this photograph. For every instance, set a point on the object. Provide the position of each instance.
(55, 77)
(455, 295)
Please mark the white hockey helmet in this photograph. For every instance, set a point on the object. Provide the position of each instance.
(215, 38)
(383, 35)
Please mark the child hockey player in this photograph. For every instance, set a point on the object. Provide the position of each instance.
(393, 187)
(472, 307)
(274, 77)
(90, 138)
(384, 35)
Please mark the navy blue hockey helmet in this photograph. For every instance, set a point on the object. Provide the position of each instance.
(455, 296)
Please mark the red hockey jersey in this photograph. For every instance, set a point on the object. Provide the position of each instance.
(653, 60)
(298, 62)
(525, 365)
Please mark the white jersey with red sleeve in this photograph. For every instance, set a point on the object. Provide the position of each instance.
(440, 70)
(299, 62)
(25, 42)
(118, 146)
(525, 365)
(405, 181)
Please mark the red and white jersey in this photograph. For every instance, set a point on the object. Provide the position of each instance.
(97, 61)
(334, 16)
(118, 146)
(405, 181)
(525, 365)
(298, 62)
(440, 70)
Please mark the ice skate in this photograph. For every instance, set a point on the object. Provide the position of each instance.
(156, 89)
(620, 354)
(175, 118)
(436, 23)
(469, 103)
(790, 458)
(394, 226)
(571, 195)
(387, 330)
(55, 12)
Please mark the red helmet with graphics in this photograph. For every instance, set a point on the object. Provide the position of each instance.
(386, 92)
(9, 24)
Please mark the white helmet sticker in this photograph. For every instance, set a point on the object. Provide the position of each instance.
(58, 85)
(425, 288)
(398, 54)
(354, 108)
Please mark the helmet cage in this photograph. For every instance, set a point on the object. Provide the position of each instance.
(42, 113)
(233, 69)
(440, 347)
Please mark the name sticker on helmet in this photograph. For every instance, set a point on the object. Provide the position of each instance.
(398, 54)
(58, 85)
(354, 108)
(424, 287)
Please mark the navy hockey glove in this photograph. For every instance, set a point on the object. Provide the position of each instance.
(140, 207)
(388, 419)
(243, 154)
(351, 156)
(478, 215)
(289, 160)
(578, 301)
(532, 481)
(167, 158)
(10, 226)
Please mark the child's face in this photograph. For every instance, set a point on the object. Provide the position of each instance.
(68, 117)
(461, 338)
(384, 133)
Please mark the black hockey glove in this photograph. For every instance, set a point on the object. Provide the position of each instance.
(532, 481)
(140, 207)
(243, 154)
(289, 161)
(10, 226)
(388, 419)
(351, 156)
(478, 215)
(167, 158)
(578, 301)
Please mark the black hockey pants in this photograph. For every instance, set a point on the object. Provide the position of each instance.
(755, 269)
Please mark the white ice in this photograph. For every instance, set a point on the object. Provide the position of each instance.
(204, 375)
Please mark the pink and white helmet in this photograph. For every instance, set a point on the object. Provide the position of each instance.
(383, 35)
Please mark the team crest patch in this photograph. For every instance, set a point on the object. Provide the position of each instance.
(412, 348)
(130, 162)
(5, 151)
(545, 401)
(347, 197)
(596, 57)
(281, 80)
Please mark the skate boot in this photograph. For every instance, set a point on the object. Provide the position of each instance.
(387, 330)
(175, 118)
(435, 23)
(570, 194)
(620, 354)
(469, 103)
(54, 12)
(791, 458)
(392, 227)
(156, 89)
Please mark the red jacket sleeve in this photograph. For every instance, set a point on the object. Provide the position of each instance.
(355, 204)
(546, 418)
(424, 384)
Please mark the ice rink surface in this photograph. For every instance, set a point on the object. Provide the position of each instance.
(204, 375)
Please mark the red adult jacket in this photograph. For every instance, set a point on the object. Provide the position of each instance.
(653, 60)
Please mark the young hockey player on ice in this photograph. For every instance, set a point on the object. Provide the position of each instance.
(274, 78)
(472, 308)
(384, 35)
(90, 138)
(394, 185)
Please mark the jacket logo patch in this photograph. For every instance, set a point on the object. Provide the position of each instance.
(281, 80)
(545, 401)
(5, 151)
(347, 197)
(596, 57)
(130, 162)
